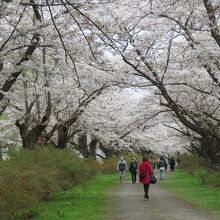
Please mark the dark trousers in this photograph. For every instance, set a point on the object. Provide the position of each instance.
(146, 189)
(133, 177)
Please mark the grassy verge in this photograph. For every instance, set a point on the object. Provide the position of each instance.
(32, 176)
(85, 202)
(192, 190)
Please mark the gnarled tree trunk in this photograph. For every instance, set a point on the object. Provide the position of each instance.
(211, 148)
(62, 136)
(108, 151)
(30, 137)
(92, 147)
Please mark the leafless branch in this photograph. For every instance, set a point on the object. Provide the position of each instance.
(63, 44)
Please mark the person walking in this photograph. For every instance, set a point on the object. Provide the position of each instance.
(162, 166)
(133, 170)
(122, 167)
(172, 164)
(145, 170)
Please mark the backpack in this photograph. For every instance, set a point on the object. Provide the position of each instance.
(165, 163)
(121, 166)
(161, 164)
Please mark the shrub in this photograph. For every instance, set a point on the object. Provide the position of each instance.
(30, 176)
(198, 167)
(190, 163)
(209, 177)
(109, 165)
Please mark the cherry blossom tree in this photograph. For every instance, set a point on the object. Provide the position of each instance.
(163, 44)
(68, 54)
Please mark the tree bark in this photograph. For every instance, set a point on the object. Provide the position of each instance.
(213, 24)
(1, 154)
(30, 138)
(83, 145)
(211, 147)
(62, 136)
(93, 146)
(108, 151)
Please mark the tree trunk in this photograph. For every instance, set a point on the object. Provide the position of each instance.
(108, 151)
(82, 145)
(30, 141)
(1, 157)
(93, 147)
(211, 148)
(62, 137)
(30, 138)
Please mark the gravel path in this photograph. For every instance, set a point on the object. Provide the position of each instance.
(162, 205)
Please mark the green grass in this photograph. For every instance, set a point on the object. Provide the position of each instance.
(85, 202)
(192, 190)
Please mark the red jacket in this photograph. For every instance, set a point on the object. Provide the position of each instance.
(145, 165)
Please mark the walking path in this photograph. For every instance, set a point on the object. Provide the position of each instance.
(162, 205)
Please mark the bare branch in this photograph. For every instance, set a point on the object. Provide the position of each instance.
(212, 21)
(9, 37)
(63, 44)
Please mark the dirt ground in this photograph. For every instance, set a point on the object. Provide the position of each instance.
(129, 204)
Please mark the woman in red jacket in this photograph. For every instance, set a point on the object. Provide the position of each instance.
(145, 170)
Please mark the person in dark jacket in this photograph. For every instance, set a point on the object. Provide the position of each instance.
(133, 170)
(145, 167)
(172, 164)
(162, 166)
